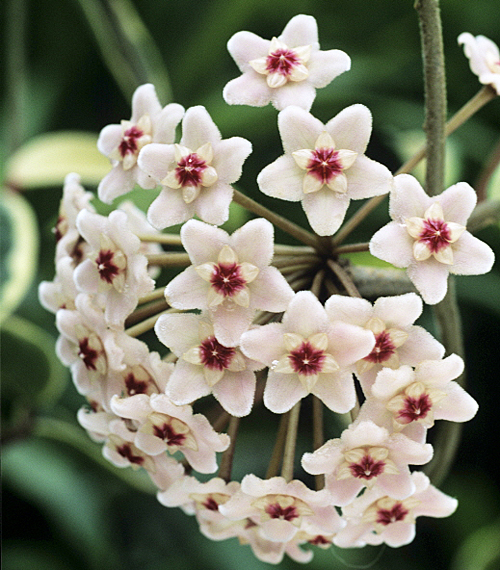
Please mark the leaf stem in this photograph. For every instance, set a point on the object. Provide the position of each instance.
(279, 221)
(290, 442)
(226, 463)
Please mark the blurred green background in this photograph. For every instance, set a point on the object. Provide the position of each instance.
(69, 68)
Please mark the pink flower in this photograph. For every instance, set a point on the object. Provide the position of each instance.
(195, 175)
(163, 426)
(281, 509)
(484, 58)
(205, 365)
(367, 455)
(429, 237)
(306, 354)
(122, 143)
(397, 340)
(115, 268)
(410, 400)
(68, 239)
(230, 276)
(375, 518)
(324, 166)
(284, 71)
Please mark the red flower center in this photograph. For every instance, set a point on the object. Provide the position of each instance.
(384, 348)
(395, 514)
(190, 169)
(105, 266)
(169, 435)
(367, 468)
(135, 386)
(214, 355)
(324, 164)
(227, 279)
(276, 511)
(435, 234)
(282, 61)
(415, 409)
(306, 359)
(126, 451)
(87, 354)
(211, 504)
(128, 144)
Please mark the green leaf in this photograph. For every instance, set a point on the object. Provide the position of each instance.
(32, 375)
(18, 250)
(45, 160)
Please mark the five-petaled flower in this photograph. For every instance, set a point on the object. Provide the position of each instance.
(122, 143)
(284, 71)
(428, 236)
(195, 175)
(324, 166)
(484, 58)
(230, 276)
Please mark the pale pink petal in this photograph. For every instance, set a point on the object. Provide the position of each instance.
(431, 279)
(178, 332)
(399, 311)
(187, 383)
(301, 30)
(348, 343)
(300, 93)
(86, 277)
(235, 392)
(168, 119)
(187, 291)
(305, 315)
(109, 138)
(248, 89)
(397, 486)
(325, 66)
(471, 256)
(298, 129)
(368, 178)
(458, 406)
(157, 159)
(229, 158)
(351, 128)
(169, 209)
(282, 392)
(116, 183)
(398, 534)
(278, 530)
(349, 309)
(264, 344)
(336, 391)
(325, 210)
(254, 242)
(270, 291)
(198, 128)
(203, 242)
(393, 244)
(344, 491)
(475, 49)
(230, 324)
(145, 102)
(212, 205)
(458, 203)
(282, 179)
(408, 199)
(420, 345)
(245, 46)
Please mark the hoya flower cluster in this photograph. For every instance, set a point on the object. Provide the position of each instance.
(248, 324)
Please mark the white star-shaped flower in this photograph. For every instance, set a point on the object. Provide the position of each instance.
(484, 58)
(284, 71)
(428, 236)
(324, 166)
(195, 175)
(122, 143)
